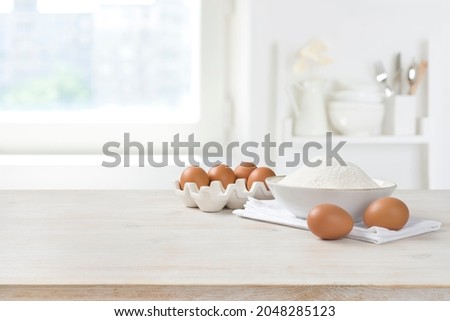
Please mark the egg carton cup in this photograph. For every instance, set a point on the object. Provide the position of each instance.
(214, 198)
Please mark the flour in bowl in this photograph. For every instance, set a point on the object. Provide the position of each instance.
(334, 176)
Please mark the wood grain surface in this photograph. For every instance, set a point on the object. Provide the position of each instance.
(145, 245)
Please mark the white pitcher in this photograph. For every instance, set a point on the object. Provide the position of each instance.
(310, 110)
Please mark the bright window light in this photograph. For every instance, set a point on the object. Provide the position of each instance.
(130, 2)
(6, 6)
(110, 60)
(65, 6)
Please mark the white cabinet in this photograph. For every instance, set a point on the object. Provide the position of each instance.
(267, 34)
(412, 161)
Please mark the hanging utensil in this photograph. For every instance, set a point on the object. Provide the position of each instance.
(420, 74)
(412, 75)
(381, 77)
(398, 74)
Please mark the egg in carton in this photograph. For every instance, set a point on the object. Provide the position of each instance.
(214, 198)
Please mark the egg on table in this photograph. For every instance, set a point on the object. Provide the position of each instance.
(329, 222)
(387, 212)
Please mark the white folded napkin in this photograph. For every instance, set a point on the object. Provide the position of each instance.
(273, 212)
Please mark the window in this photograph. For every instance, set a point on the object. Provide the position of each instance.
(88, 71)
(116, 58)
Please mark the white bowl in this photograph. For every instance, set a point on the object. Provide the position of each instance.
(301, 200)
(358, 86)
(357, 96)
(358, 119)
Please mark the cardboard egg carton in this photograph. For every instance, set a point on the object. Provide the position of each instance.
(214, 198)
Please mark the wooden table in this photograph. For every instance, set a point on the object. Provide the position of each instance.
(141, 245)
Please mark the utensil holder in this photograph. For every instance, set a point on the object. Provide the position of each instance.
(400, 115)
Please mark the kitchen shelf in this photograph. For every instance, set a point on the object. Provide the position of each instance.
(380, 139)
(425, 152)
(420, 139)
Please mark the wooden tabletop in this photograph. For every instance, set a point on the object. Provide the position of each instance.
(141, 245)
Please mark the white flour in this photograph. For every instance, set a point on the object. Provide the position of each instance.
(334, 176)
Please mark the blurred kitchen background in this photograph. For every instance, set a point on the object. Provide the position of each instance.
(77, 74)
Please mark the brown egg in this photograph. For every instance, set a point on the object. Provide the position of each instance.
(222, 173)
(387, 212)
(329, 222)
(194, 174)
(244, 170)
(259, 175)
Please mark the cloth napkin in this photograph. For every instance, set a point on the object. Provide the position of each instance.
(273, 212)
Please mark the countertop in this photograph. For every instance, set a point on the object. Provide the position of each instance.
(145, 245)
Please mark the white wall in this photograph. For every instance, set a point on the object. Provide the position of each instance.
(357, 33)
